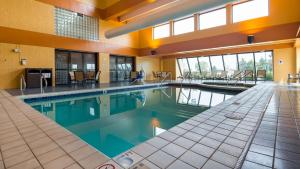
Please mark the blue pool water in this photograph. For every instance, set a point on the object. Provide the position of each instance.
(114, 123)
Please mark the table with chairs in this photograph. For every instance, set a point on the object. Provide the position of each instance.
(81, 77)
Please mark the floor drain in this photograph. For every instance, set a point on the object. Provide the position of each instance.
(125, 161)
(234, 116)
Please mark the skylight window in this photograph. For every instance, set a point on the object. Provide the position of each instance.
(161, 31)
(185, 25)
(212, 19)
(250, 10)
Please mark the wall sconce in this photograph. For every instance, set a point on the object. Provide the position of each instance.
(17, 50)
(23, 61)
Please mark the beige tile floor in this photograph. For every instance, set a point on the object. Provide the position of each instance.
(208, 140)
(29, 140)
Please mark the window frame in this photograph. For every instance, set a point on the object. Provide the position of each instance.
(243, 2)
(180, 19)
(209, 11)
(223, 60)
(170, 30)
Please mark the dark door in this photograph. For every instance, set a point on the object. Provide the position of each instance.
(120, 68)
(67, 61)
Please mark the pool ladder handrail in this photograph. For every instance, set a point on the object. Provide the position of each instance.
(242, 75)
(164, 78)
(22, 83)
(185, 77)
(43, 79)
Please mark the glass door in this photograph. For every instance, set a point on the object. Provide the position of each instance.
(120, 68)
(67, 61)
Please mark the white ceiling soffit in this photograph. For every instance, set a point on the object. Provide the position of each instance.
(181, 9)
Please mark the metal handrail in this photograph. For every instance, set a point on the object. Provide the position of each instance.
(184, 77)
(22, 83)
(244, 75)
(41, 83)
(168, 74)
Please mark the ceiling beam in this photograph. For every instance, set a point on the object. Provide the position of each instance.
(122, 7)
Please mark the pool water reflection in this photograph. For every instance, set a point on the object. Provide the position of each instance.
(114, 123)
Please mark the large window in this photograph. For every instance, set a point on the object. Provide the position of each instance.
(161, 31)
(184, 66)
(216, 63)
(264, 61)
(184, 25)
(75, 25)
(212, 19)
(194, 66)
(250, 10)
(201, 67)
(246, 61)
(230, 63)
(204, 64)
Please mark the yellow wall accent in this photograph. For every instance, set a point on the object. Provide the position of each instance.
(281, 12)
(28, 15)
(281, 71)
(36, 16)
(104, 67)
(168, 64)
(298, 59)
(149, 64)
(10, 67)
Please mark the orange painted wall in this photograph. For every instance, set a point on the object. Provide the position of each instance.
(149, 64)
(168, 64)
(27, 15)
(104, 67)
(38, 18)
(281, 71)
(281, 12)
(10, 67)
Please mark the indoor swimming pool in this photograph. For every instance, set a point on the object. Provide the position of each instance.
(116, 122)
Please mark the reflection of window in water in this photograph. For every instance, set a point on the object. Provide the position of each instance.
(184, 96)
(196, 97)
(92, 111)
(217, 99)
(205, 98)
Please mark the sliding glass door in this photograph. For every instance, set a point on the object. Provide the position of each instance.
(67, 61)
(120, 68)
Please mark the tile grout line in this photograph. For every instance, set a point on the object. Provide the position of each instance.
(245, 151)
(274, 151)
(21, 136)
(47, 136)
(289, 95)
(212, 138)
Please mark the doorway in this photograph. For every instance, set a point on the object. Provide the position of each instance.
(120, 68)
(67, 61)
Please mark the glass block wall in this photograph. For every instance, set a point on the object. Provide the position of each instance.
(75, 25)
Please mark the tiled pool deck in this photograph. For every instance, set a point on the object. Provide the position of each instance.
(267, 136)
